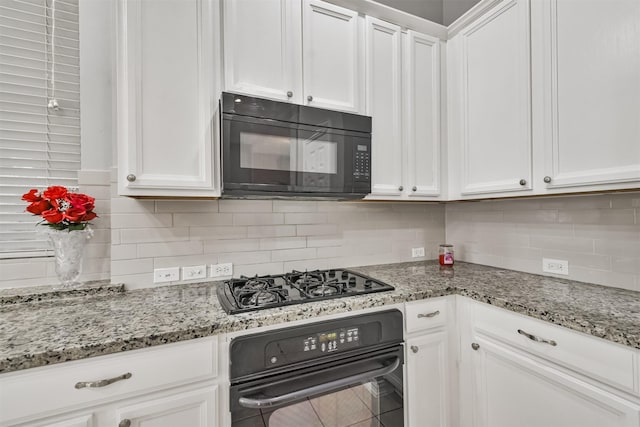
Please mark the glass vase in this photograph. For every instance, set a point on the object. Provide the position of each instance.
(68, 247)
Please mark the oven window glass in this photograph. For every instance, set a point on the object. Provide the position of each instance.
(276, 152)
(376, 403)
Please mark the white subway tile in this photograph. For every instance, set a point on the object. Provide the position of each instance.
(97, 250)
(323, 241)
(119, 252)
(597, 216)
(128, 205)
(185, 260)
(223, 232)
(131, 266)
(231, 245)
(202, 219)
(293, 254)
(246, 206)
(316, 229)
(149, 235)
(271, 231)
(283, 243)
(305, 218)
(187, 206)
(625, 264)
(562, 244)
(534, 216)
(115, 237)
(258, 218)
(626, 248)
(245, 257)
(24, 270)
(294, 206)
(135, 281)
(146, 250)
(94, 177)
(141, 220)
(259, 269)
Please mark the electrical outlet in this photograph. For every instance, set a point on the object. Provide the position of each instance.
(555, 266)
(417, 252)
(194, 272)
(162, 275)
(221, 270)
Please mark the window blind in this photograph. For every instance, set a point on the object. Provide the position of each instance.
(39, 112)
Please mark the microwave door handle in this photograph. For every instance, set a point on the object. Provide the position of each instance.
(249, 402)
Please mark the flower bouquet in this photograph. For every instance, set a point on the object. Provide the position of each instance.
(66, 216)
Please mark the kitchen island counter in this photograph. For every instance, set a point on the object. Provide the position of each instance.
(61, 329)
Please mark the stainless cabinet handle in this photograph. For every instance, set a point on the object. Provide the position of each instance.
(547, 179)
(309, 98)
(131, 177)
(523, 182)
(289, 94)
(414, 348)
(102, 383)
(432, 314)
(125, 423)
(475, 346)
(537, 339)
(400, 188)
(414, 188)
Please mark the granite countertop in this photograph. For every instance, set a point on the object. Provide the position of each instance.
(43, 331)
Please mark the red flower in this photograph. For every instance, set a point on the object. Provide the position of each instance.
(52, 216)
(81, 201)
(38, 207)
(31, 196)
(74, 214)
(55, 192)
(89, 216)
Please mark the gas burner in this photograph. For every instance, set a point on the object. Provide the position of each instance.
(253, 293)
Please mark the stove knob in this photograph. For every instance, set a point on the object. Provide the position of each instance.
(332, 273)
(352, 281)
(274, 359)
(368, 283)
(344, 275)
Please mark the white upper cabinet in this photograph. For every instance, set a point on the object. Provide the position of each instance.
(304, 52)
(384, 90)
(421, 114)
(263, 54)
(588, 69)
(166, 98)
(403, 99)
(491, 102)
(331, 56)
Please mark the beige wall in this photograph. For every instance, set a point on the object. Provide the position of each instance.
(598, 234)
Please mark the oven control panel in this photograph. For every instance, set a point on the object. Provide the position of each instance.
(361, 162)
(327, 342)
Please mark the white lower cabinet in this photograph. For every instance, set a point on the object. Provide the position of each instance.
(197, 408)
(429, 374)
(513, 389)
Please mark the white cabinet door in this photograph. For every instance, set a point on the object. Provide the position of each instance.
(590, 73)
(195, 408)
(493, 118)
(166, 98)
(262, 48)
(331, 62)
(511, 389)
(85, 420)
(384, 91)
(428, 380)
(421, 114)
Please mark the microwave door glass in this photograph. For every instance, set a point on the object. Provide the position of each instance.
(320, 157)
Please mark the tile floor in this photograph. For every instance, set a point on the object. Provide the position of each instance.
(373, 404)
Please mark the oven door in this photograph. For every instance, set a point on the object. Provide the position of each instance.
(270, 157)
(365, 390)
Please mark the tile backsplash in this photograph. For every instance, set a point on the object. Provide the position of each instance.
(598, 234)
(266, 236)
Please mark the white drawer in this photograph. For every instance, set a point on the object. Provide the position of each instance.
(37, 391)
(426, 314)
(593, 357)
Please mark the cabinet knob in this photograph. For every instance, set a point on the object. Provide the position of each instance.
(414, 348)
(289, 94)
(523, 182)
(547, 179)
(125, 423)
(131, 177)
(414, 188)
(475, 345)
(309, 98)
(400, 188)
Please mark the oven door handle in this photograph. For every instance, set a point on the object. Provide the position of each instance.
(249, 402)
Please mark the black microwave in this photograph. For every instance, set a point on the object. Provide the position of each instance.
(274, 149)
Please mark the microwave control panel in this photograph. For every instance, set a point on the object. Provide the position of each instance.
(361, 162)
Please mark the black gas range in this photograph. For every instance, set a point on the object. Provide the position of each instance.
(261, 292)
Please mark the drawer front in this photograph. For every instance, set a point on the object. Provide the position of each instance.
(593, 357)
(426, 314)
(41, 390)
